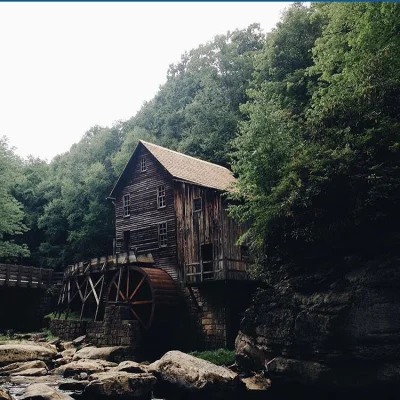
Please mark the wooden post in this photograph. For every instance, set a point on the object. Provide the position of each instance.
(119, 284)
(225, 268)
(7, 274)
(98, 304)
(84, 299)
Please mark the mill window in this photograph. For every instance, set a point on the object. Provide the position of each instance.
(162, 235)
(197, 204)
(126, 204)
(143, 166)
(161, 201)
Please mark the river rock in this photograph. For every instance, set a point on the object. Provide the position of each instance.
(256, 383)
(120, 383)
(79, 341)
(66, 346)
(4, 395)
(21, 366)
(69, 353)
(40, 391)
(183, 372)
(99, 353)
(17, 352)
(31, 372)
(76, 367)
(131, 366)
(335, 325)
(73, 385)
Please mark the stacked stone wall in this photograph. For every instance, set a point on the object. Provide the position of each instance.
(67, 329)
(113, 331)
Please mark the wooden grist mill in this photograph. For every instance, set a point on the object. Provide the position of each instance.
(148, 293)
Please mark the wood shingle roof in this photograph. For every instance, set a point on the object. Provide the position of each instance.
(185, 168)
(191, 169)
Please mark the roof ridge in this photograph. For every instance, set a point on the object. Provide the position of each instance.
(184, 155)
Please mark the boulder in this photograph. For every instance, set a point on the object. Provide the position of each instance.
(79, 341)
(69, 353)
(40, 391)
(120, 383)
(183, 372)
(73, 385)
(17, 352)
(31, 372)
(256, 383)
(21, 366)
(66, 346)
(76, 367)
(4, 395)
(99, 353)
(131, 366)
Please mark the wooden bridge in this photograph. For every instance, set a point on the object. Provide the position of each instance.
(28, 277)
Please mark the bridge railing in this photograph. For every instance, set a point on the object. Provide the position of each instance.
(24, 276)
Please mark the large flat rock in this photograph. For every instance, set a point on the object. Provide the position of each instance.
(18, 352)
(184, 372)
(121, 383)
(99, 353)
(40, 391)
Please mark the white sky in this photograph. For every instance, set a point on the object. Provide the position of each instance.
(65, 67)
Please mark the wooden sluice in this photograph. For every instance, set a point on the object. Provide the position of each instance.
(124, 279)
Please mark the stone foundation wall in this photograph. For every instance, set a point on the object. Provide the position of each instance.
(113, 331)
(67, 329)
(209, 311)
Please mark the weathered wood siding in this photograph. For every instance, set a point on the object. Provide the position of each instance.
(210, 225)
(144, 214)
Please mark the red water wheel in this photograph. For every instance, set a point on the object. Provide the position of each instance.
(147, 292)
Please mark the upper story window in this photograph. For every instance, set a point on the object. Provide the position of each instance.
(127, 205)
(161, 201)
(197, 204)
(162, 235)
(143, 165)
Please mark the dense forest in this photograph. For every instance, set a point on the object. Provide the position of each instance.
(307, 117)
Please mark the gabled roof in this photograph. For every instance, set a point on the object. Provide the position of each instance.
(186, 168)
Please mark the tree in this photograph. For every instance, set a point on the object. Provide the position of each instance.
(11, 213)
(330, 186)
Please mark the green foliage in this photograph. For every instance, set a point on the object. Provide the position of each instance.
(317, 158)
(197, 110)
(218, 357)
(11, 211)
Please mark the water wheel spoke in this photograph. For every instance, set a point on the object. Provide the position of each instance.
(141, 302)
(120, 293)
(137, 287)
(138, 318)
(127, 285)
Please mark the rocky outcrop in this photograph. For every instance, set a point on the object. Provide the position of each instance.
(18, 352)
(120, 383)
(328, 327)
(184, 373)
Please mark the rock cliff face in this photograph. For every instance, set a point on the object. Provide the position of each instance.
(336, 326)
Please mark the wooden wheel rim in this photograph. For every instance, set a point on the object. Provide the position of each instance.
(123, 290)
